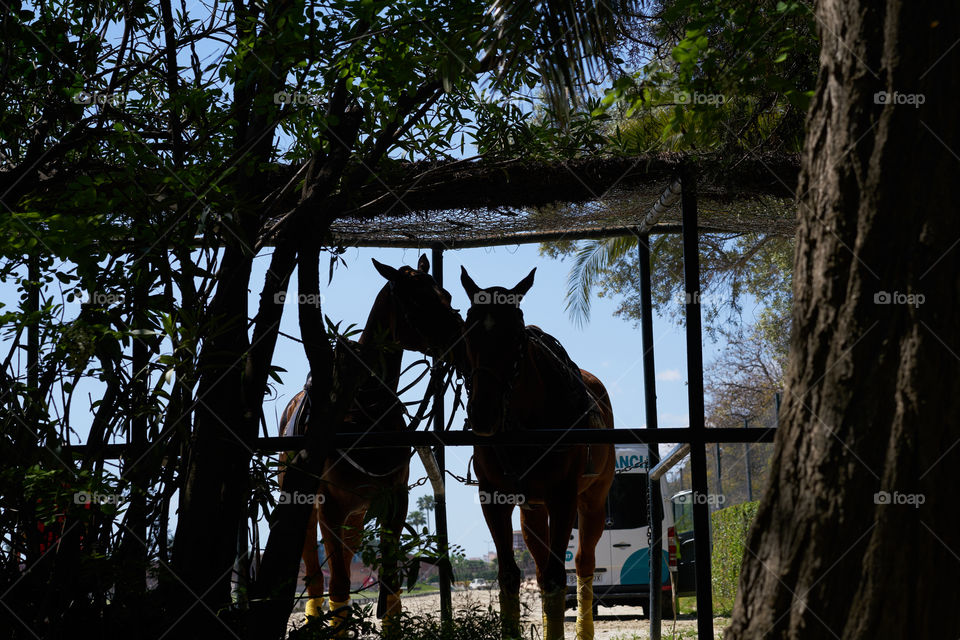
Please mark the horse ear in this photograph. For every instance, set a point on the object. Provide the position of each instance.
(468, 284)
(423, 264)
(386, 271)
(524, 285)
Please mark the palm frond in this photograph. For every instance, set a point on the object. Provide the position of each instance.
(568, 42)
(592, 259)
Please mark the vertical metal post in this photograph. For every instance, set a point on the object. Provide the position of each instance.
(445, 570)
(746, 458)
(698, 458)
(654, 503)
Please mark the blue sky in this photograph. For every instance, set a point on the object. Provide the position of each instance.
(607, 346)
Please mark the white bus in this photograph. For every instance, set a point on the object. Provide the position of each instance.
(622, 576)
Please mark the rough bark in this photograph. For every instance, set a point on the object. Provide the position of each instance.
(872, 402)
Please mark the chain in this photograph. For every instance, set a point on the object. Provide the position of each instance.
(638, 465)
(418, 483)
(459, 479)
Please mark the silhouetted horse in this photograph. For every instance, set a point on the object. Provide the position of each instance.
(521, 378)
(410, 312)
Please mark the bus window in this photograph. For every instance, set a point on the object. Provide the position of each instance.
(627, 502)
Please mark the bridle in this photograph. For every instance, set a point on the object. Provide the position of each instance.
(508, 382)
(400, 304)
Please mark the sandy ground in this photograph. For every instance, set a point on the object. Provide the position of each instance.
(613, 623)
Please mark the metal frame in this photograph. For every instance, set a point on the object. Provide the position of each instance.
(684, 188)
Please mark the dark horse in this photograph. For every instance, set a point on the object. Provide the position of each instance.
(355, 481)
(521, 378)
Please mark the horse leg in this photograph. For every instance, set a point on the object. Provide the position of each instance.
(313, 574)
(499, 521)
(592, 516)
(536, 535)
(332, 521)
(554, 589)
(389, 606)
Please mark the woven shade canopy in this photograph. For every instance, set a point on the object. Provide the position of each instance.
(459, 205)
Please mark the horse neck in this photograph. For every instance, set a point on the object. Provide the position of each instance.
(381, 322)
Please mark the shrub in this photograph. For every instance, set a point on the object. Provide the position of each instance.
(730, 527)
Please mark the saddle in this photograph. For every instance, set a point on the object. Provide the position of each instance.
(575, 399)
(551, 357)
(297, 426)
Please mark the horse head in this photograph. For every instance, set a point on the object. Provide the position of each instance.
(420, 310)
(496, 342)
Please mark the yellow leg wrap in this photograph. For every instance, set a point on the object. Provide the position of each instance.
(392, 616)
(340, 610)
(510, 614)
(553, 614)
(585, 608)
(313, 607)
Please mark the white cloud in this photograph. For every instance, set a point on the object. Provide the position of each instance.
(669, 375)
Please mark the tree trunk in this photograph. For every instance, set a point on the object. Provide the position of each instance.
(213, 493)
(872, 398)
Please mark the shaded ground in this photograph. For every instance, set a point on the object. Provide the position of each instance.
(613, 623)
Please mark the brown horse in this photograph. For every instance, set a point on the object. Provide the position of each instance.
(521, 378)
(410, 312)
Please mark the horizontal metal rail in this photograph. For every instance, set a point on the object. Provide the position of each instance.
(530, 437)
